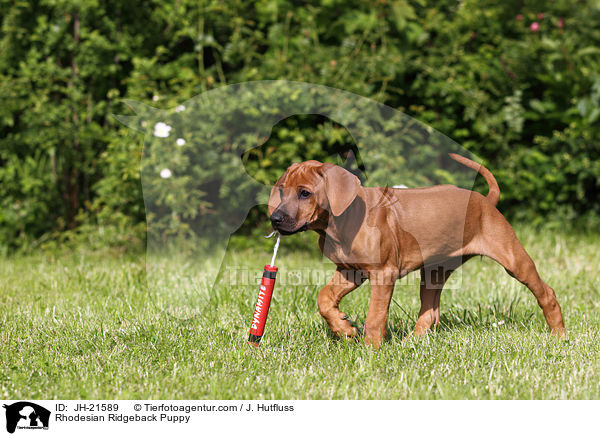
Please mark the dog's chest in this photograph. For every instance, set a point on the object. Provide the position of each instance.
(356, 253)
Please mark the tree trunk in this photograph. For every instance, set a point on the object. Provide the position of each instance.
(72, 168)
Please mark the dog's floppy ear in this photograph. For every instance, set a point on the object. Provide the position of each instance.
(341, 187)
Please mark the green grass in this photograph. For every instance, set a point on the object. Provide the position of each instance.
(86, 326)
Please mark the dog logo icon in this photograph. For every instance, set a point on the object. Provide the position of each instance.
(26, 415)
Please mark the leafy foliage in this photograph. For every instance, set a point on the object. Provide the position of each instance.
(514, 82)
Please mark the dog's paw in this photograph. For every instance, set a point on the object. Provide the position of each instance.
(415, 336)
(373, 340)
(559, 333)
(345, 328)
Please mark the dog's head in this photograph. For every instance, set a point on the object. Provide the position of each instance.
(307, 193)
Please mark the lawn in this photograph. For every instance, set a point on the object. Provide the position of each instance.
(84, 325)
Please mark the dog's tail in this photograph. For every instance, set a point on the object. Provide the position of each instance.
(494, 191)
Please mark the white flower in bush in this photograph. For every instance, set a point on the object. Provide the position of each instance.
(180, 141)
(165, 173)
(180, 108)
(155, 98)
(162, 130)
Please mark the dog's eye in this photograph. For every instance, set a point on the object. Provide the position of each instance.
(304, 194)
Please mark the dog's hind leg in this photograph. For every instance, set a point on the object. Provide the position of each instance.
(429, 313)
(433, 278)
(499, 242)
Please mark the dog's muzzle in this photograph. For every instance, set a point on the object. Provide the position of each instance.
(281, 223)
(298, 230)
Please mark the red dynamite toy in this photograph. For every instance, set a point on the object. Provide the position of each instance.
(264, 299)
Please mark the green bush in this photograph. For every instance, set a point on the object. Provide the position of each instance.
(517, 83)
(524, 97)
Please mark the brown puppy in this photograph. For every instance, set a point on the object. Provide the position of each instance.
(382, 234)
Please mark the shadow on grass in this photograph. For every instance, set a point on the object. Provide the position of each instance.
(486, 317)
(480, 317)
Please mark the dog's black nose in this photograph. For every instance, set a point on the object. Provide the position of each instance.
(276, 218)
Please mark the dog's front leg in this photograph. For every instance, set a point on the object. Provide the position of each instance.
(330, 296)
(382, 288)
